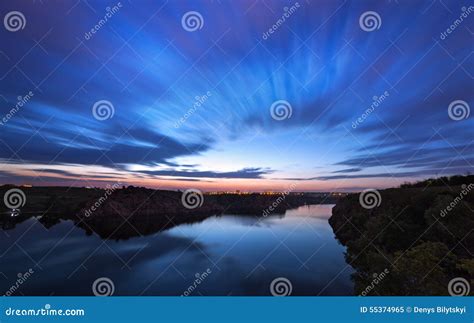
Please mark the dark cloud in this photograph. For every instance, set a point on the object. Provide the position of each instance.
(141, 147)
(406, 157)
(243, 173)
(348, 170)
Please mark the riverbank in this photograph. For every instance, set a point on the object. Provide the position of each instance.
(418, 239)
(122, 212)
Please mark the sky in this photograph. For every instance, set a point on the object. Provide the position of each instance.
(236, 95)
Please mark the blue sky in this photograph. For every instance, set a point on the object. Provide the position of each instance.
(152, 70)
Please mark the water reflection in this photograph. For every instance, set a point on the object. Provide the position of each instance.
(243, 253)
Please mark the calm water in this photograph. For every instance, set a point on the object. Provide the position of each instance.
(241, 254)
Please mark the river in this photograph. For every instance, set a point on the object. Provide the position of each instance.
(220, 255)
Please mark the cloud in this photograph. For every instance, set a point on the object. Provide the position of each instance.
(247, 173)
(134, 146)
(348, 170)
